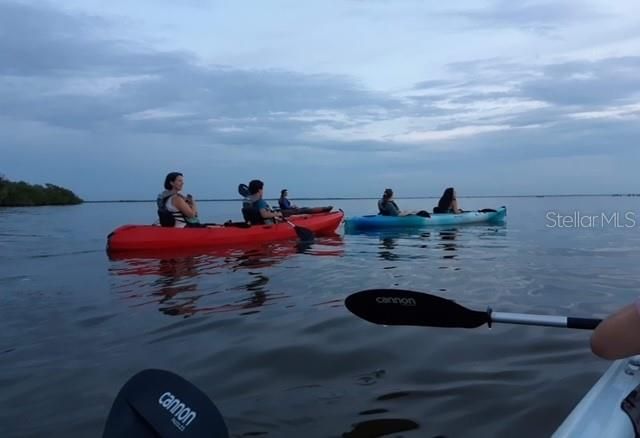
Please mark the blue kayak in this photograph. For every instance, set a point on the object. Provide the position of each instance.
(376, 221)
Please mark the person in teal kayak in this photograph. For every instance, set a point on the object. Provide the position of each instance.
(616, 337)
(175, 209)
(388, 207)
(255, 210)
(283, 202)
(448, 202)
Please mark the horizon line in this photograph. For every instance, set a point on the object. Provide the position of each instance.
(354, 198)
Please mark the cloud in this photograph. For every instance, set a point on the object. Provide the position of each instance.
(68, 77)
(537, 16)
(622, 112)
(73, 93)
(587, 83)
(542, 91)
(38, 40)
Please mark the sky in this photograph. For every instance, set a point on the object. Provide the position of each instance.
(330, 98)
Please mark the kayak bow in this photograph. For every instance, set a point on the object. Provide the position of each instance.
(599, 413)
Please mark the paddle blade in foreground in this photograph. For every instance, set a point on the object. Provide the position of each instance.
(403, 307)
(157, 403)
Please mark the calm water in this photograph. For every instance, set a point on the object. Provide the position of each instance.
(264, 333)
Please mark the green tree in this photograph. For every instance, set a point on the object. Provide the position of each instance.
(20, 194)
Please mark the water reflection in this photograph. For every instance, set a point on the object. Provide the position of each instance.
(443, 242)
(444, 239)
(183, 284)
(387, 245)
(448, 243)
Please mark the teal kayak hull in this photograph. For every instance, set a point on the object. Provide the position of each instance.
(599, 413)
(373, 222)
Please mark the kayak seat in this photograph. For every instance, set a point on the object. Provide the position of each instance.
(237, 224)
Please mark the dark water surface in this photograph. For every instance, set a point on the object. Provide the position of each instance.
(263, 331)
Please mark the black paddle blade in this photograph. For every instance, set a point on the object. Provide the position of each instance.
(404, 307)
(243, 190)
(157, 403)
(304, 234)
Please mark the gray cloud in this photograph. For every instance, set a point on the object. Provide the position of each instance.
(65, 48)
(492, 72)
(600, 82)
(435, 83)
(474, 97)
(42, 41)
(537, 16)
(235, 106)
(570, 86)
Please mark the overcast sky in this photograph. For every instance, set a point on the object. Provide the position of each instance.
(326, 98)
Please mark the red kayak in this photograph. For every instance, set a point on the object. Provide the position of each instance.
(140, 237)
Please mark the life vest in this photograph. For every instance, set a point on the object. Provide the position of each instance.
(382, 209)
(251, 212)
(167, 217)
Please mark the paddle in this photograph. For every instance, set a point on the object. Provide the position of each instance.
(157, 403)
(304, 234)
(405, 307)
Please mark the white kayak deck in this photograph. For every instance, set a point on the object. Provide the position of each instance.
(599, 413)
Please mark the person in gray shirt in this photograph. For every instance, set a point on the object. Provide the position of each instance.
(388, 207)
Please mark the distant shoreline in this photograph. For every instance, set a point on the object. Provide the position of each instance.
(335, 198)
(23, 194)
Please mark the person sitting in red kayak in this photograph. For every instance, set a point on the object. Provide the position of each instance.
(448, 202)
(388, 207)
(175, 209)
(616, 337)
(255, 210)
(283, 202)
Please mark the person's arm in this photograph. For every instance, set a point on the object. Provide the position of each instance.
(618, 336)
(268, 214)
(184, 207)
(454, 206)
(192, 203)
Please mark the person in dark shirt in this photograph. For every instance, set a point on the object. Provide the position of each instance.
(255, 209)
(283, 202)
(388, 207)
